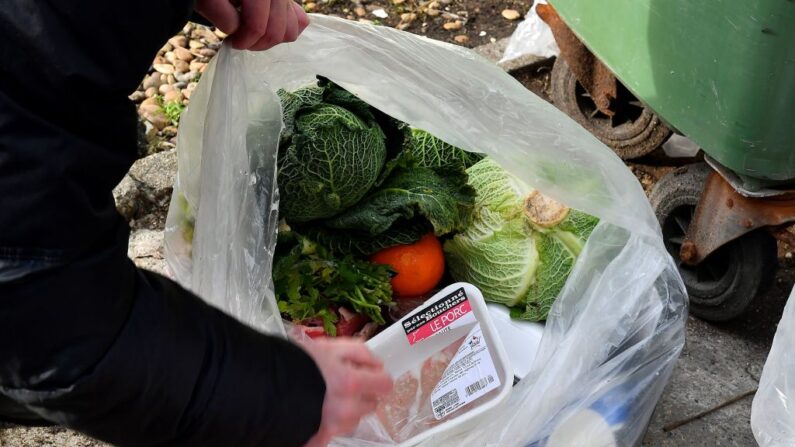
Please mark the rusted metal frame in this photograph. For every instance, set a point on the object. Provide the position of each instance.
(597, 79)
(723, 215)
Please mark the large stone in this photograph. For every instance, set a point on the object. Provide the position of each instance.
(146, 250)
(144, 193)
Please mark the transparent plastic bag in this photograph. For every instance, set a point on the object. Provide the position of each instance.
(532, 37)
(772, 414)
(617, 328)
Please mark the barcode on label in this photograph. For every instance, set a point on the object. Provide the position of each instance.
(479, 385)
(447, 399)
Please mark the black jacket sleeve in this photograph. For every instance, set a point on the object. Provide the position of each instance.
(178, 372)
(86, 339)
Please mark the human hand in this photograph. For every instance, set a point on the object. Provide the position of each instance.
(255, 24)
(355, 379)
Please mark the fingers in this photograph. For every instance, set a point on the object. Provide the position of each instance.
(348, 417)
(356, 352)
(255, 16)
(303, 19)
(292, 31)
(277, 26)
(222, 14)
(365, 383)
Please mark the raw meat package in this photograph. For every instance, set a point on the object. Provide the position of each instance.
(449, 366)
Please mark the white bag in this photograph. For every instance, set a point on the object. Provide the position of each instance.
(615, 332)
(772, 414)
(532, 37)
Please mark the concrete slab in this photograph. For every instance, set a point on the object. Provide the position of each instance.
(719, 362)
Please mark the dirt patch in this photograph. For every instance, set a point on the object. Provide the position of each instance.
(478, 21)
(537, 78)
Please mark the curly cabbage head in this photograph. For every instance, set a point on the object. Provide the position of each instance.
(332, 151)
(521, 246)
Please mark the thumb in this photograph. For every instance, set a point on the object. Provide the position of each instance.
(321, 439)
(221, 13)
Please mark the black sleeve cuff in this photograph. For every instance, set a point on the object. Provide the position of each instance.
(183, 373)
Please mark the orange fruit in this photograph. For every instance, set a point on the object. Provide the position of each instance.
(419, 266)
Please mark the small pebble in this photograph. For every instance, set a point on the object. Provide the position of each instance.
(165, 88)
(311, 6)
(169, 131)
(408, 17)
(165, 48)
(150, 92)
(170, 57)
(220, 34)
(150, 132)
(178, 41)
(165, 146)
(453, 26)
(433, 12)
(149, 110)
(206, 52)
(368, 22)
(462, 38)
(360, 11)
(149, 102)
(380, 13)
(434, 5)
(180, 85)
(482, 34)
(137, 96)
(788, 255)
(181, 66)
(152, 80)
(183, 54)
(196, 66)
(163, 68)
(207, 35)
(398, 2)
(511, 14)
(170, 79)
(172, 96)
(195, 45)
(185, 77)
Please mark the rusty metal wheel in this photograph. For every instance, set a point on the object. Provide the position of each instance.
(633, 132)
(724, 284)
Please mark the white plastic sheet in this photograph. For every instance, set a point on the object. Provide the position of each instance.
(532, 37)
(616, 330)
(773, 414)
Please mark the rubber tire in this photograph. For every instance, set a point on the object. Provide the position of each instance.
(640, 138)
(751, 259)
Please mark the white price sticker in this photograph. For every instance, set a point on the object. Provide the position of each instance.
(470, 375)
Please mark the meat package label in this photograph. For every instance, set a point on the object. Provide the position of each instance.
(449, 312)
(470, 375)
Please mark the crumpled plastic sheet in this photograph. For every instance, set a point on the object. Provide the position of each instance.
(532, 37)
(615, 332)
(772, 413)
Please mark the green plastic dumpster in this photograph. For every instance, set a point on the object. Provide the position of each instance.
(721, 72)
